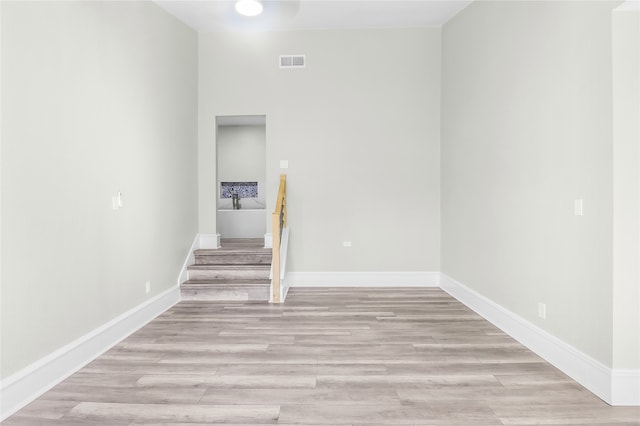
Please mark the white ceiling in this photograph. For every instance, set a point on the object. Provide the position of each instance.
(219, 15)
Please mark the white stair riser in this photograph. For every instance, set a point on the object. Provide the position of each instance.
(219, 294)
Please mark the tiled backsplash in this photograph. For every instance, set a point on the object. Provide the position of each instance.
(243, 189)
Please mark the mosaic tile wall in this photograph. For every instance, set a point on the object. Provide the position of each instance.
(243, 189)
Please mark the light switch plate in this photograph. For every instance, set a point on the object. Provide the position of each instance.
(542, 310)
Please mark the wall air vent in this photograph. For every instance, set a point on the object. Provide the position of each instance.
(292, 61)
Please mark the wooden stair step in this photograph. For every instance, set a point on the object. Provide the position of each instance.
(237, 271)
(235, 243)
(225, 282)
(230, 250)
(200, 272)
(232, 257)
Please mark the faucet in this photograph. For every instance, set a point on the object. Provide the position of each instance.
(235, 199)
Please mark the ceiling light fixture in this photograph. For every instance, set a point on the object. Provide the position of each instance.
(249, 7)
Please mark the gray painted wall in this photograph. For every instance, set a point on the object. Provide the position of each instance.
(626, 189)
(526, 130)
(360, 128)
(241, 155)
(96, 98)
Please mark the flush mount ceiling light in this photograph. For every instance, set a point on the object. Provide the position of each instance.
(249, 7)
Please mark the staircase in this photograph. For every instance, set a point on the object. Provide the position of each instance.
(237, 271)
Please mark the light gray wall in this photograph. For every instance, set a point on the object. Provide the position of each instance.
(97, 97)
(360, 129)
(241, 157)
(626, 189)
(526, 130)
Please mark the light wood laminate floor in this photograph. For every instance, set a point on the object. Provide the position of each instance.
(327, 356)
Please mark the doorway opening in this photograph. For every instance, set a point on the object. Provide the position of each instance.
(241, 176)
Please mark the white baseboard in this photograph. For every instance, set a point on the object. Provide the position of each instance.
(625, 387)
(285, 288)
(209, 241)
(201, 241)
(26, 385)
(363, 279)
(190, 260)
(616, 387)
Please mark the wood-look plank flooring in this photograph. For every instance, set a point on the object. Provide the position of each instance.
(326, 357)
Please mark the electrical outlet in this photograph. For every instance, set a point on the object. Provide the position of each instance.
(542, 310)
(346, 244)
(147, 286)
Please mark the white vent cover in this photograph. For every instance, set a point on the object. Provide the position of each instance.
(292, 61)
